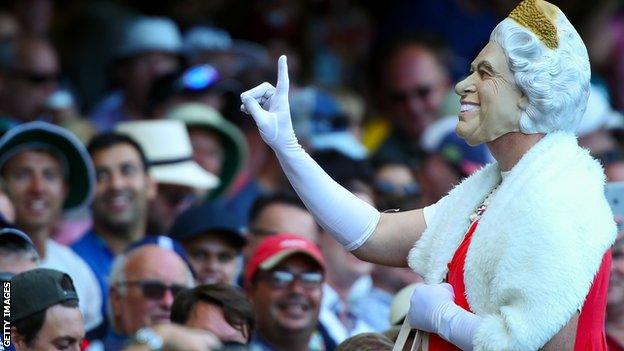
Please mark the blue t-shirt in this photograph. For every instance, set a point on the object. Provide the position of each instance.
(94, 250)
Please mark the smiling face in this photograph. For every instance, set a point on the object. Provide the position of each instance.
(491, 103)
(123, 188)
(291, 309)
(34, 183)
(213, 258)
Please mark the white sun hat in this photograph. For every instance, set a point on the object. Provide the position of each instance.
(168, 149)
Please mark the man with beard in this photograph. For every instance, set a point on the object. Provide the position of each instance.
(119, 207)
(284, 281)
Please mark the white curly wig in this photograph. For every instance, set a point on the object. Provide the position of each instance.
(556, 82)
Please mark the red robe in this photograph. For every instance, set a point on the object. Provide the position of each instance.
(590, 334)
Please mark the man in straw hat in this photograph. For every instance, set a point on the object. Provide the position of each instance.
(511, 241)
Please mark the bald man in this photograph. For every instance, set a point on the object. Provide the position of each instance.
(143, 284)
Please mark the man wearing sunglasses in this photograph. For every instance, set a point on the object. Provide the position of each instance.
(30, 71)
(143, 284)
(284, 280)
(413, 84)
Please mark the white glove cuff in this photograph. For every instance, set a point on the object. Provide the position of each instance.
(350, 220)
(459, 327)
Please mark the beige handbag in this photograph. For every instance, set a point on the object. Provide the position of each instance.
(421, 339)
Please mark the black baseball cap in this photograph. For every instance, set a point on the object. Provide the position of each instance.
(9, 234)
(205, 219)
(38, 289)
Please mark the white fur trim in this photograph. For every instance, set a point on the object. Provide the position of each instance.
(534, 255)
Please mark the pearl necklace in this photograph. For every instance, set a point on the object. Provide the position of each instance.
(478, 213)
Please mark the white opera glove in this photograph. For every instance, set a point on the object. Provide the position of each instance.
(270, 110)
(432, 309)
(350, 220)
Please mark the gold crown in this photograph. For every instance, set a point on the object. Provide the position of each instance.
(539, 17)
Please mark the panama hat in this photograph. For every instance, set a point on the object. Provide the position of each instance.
(144, 34)
(77, 164)
(168, 150)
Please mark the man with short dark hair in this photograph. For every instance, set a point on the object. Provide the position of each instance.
(45, 169)
(123, 188)
(221, 309)
(44, 311)
(279, 212)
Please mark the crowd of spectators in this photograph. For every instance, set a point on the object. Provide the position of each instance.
(140, 209)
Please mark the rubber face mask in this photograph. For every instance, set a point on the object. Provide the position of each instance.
(491, 102)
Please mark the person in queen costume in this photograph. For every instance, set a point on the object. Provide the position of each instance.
(515, 257)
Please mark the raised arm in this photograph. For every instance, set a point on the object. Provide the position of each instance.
(379, 238)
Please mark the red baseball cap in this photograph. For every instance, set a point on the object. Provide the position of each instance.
(275, 248)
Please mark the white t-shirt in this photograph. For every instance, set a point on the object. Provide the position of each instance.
(62, 258)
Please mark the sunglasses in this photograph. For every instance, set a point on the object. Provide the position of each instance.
(284, 279)
(421, 92)
(154, 289)
(175, 199)
(37, 78)
(387, 188)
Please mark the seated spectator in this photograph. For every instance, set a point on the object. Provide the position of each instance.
(279, 212)
(284, 280)
(396, 186)
(149, 49)
(46, 170)
(143, 283)
(44, 311)
(29, 69)
(213, 240)
(221, 309)
(180, 179)
(17, 252)
(219, 146)
(366, 342)
(348, 278)
(387, 282)
(119, 208)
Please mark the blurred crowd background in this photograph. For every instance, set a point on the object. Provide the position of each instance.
(150, 91)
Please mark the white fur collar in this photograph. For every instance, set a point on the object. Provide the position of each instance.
(536, 249)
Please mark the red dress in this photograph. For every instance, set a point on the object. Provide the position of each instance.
(590, 333)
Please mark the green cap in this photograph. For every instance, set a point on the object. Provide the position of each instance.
(79, 168)
(195, 114)
(38, 289)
